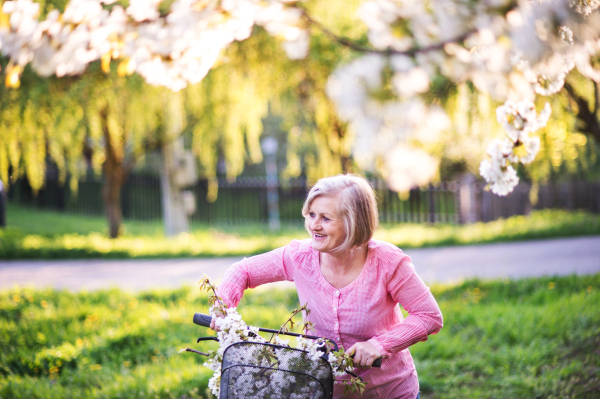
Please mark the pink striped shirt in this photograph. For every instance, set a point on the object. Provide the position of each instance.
(364, 310)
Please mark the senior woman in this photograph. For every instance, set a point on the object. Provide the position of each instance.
(352, 284)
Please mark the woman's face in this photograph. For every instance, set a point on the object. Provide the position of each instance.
(324, 224)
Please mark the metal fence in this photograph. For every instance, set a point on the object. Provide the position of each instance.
(476, 204)
(245, 200)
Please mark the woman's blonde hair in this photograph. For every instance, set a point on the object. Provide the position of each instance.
(357, 206)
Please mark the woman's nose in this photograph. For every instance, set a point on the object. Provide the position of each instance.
(314, 225)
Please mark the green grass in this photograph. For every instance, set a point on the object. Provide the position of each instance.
(532, 338)
(37, 234)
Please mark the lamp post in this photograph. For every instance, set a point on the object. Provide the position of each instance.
(269, 147)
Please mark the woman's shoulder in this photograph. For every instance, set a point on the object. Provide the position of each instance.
(387, 254)
(300, 249)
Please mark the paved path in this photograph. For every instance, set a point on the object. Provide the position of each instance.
(447, 264)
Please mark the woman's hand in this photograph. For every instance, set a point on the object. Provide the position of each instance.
(364, 353)
(213, 324)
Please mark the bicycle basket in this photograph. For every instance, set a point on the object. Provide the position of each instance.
(261, 370)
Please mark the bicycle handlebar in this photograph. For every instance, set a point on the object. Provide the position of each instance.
(204, 321)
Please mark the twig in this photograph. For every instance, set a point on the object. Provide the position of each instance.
(205, 284)
(193, 350)
(289, 320)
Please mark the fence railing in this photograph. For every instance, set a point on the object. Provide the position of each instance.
(245, 200)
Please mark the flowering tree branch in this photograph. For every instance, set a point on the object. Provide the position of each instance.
(351, 44)
(290, 320)
(514, 51)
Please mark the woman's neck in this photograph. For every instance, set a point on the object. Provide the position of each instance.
(340, 269)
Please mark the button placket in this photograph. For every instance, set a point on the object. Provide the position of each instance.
(336, 306)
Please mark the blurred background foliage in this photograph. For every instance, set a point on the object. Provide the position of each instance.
(108, 123)
(105, 122)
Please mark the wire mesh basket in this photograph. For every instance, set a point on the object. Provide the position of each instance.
(268, 371)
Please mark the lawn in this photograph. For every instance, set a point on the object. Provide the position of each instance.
(37, 234)
(531, 338)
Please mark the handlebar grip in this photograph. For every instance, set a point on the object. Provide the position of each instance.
(376, 362)
(202, 319)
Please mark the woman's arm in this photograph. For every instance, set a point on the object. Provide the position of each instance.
(424, 315)
(251, 272)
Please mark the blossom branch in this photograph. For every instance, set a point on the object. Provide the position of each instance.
(289, 320)
(205, 285)
(193, 350)
(346, 42)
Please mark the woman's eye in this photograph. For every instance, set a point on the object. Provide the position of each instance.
(312, 215)
(325, 219)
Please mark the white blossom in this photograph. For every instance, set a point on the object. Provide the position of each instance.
(415, 81)
(502, 181)
(531, 146)
(298, 48)
(398, 25)
(409, 167)
(520, 118)
(381, 119)
(142, 10)
(585, 7)
(566, 34)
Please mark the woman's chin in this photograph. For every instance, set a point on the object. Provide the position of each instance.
(317, 245)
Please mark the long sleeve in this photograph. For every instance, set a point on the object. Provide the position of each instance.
(257, 270)
(425, 317)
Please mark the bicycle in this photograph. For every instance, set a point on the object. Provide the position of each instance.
(265, 370)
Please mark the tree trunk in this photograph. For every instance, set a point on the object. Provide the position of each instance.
(113, 181)
(175, 218)
(341, 130)
(585, 115)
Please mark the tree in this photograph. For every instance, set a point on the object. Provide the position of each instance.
(113, 119)
(513, 50)
(104, 116)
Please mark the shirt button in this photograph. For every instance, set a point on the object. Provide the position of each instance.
(334, 308)
(337, 293)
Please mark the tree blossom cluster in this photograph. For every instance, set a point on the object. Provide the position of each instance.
(518, 119)
(173, 51)
(514, 50)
